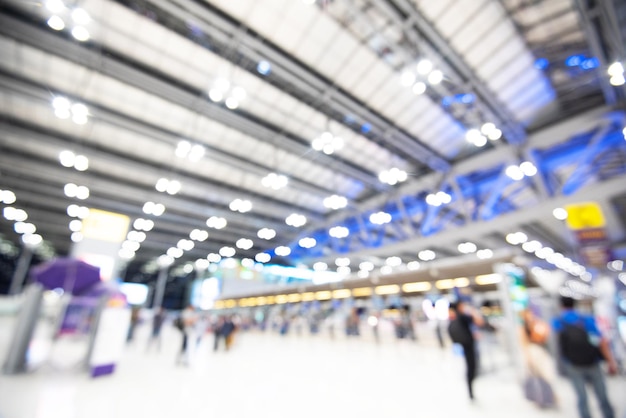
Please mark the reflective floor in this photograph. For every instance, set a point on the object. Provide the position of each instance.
(267, 375)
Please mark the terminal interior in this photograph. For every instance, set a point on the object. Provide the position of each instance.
(329, 175)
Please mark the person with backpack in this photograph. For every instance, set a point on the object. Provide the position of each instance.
(460, 330)
(582, 348)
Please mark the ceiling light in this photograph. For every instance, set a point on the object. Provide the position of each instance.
(413, 265)
(389, 289)
(182, 149)
(151, 208)
(335, 202)
(560, 214)
(199, 235)
(274, 181)
(366, 266)
(615, 69)
(424, 67)
(80, 33)
(82, 192)
(55, 6)
(215, 95)
(338, 232)
(435, 77)
(393, 261)
(495, 134)
(266, 233)
(484, 254)
(475, 137)
(426, 255)
(76, 237)
(342, 261)
(174, 252)
(136, 236)
(214, 258)
(239, 93)
(282, 251)
(79, 109)
(419, 88)
(70, 190)
(7, 197)
(528, 168)
(185, 244)
(307, 242)
(386, 270)
(244, 243)
(320, 266)
(232, 103)
(392, 176)
(240, 205)
(32, 240)
(438, 199)
(216, 222)
(531, 246)
(327, 143)
(514, 172)
(196, 153)
(617, 80)
(380, 218)
(130, 246)
(516, 238)
(264, 67)
(165, 260)
(296, 220)
(126, 254)
(173, 187)
(81, 163)
(416, 287)
(407, 78)
(487, 128)
(222, 84)
(143, 224)
(247, 263)
(24, 228)
(80, 16)
(227, 251)
(56, 23)
(344, 271)
(467, 247)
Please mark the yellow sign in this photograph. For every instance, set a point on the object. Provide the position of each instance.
(105, 226)
(584, 216)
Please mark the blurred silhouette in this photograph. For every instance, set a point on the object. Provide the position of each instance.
(460, 330)
(157, 323)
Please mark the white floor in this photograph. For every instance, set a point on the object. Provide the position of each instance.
(266, 375)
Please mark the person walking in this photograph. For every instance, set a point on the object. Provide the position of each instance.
(157, 324)
(188, 320)
(582, 347)
(462, 319)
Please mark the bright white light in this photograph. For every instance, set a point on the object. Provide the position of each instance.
(338, 232)
(136, 236)
(24, 228)
(19, 215)
(60, 102)
(413, 265)
(199, 235)
(182, 149)
(424, 67)
(9, 213)
(174, 252)
(473, 136)
(560, 214)
(380, 218)
(7, 197)
(82, 192)
(76, 237)
(266, 233)
(239, 93)
(232, 103)
(327, 143)
(32, 240)
(386, 270)
(62, 113)
(79, 109)
(130, 246)
(407, 78)
(438, 199)
(392, 176)
(158, 209)
(426, 255)
(67, 158)
(615, 69)
(393, 261)
(196, 153)
(320, 266)
(487, 128)
(185, 244)
(296, 220)
(344, 271)
(202, 264)
(126, 254)
(419, 88)
(161, 184)
(514, 172)
(222, 84)
(216, 222)
(617, 80)
(247, 263)
(215, 95)
(528, 168)
(56, 23)
(165, 260)
(244, 243)
(366, 266)
(80, 16)
(240, 205)
(307, 242)
(282, 251)
(76, 225)
(335, 202)
(79, 119)
(495, 134)
(275, 181)
(227, 251)
(435, 77)
(484, 254)
(467, 247)
(70, 190)
(214, 258)
(342, 261)
(80, 33)
(531, 246)
(173, 187)
(263, 257)
(81, 163)
(55, 6)
(516, 238)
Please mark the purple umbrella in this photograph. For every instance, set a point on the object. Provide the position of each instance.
(70, 274)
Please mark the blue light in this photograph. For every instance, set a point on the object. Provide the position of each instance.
(264, 67)
(574, 60)
(590, 63)
(366, 127)
(468, 98)
(446, 101)
(541, 63)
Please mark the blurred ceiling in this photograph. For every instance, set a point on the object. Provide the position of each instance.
(438, 97)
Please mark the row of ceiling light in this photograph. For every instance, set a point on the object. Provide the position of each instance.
(61, 16)
(27, 230)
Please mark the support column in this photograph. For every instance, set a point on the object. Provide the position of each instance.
(159, 290)
(21, 270)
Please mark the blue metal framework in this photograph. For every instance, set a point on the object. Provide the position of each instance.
(484, 194)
